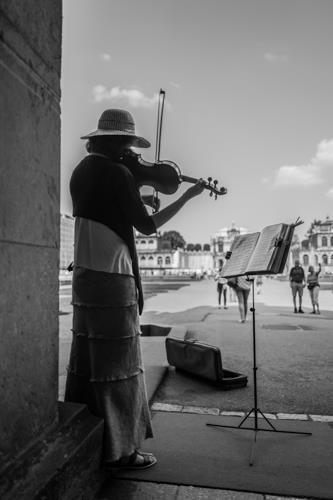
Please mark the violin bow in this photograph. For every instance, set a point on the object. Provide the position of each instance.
(160, 112)
(212, 187)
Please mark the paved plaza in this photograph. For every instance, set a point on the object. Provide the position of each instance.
(294, 351)
(295, 375)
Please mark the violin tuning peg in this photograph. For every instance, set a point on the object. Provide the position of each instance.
(211, 193)
(215, 182)
(209, 180)
(215, 196)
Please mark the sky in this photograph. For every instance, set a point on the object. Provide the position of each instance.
(249, 100)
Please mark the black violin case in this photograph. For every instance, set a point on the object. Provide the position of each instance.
(202, 360)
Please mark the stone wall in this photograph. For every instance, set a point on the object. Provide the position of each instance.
(30, 61)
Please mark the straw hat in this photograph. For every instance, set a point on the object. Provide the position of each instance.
(118, 122)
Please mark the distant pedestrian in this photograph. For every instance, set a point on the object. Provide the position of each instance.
(259, 282)
(242, 288)
(221, 288)
(313, 287)
(297, 284)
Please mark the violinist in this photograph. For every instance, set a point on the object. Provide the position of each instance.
(105, 369)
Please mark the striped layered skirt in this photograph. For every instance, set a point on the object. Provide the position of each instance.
(105, 368)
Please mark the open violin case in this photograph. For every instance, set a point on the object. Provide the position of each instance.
(202, 360)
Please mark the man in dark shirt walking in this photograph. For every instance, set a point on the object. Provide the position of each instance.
(297, 284)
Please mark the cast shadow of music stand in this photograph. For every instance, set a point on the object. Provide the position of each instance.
(255, 410)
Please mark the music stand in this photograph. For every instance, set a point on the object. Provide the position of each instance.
(255, 410)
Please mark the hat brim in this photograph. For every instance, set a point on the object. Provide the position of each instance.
(137, 141)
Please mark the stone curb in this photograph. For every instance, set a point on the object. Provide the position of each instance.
(202, 410)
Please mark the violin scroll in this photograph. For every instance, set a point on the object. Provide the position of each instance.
(214, 190)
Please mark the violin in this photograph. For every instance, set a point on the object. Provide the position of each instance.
(164, 176)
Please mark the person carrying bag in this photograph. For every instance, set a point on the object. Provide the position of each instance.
(242, 288)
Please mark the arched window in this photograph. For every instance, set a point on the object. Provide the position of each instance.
(159, 261)
(331, 241)
(316, 259)
(143, 242)
(151, 257)
(324, 241)
(332, 259)
(151, 242)
(325, 259)
(142, 257)
(167, 260)
(305, 260)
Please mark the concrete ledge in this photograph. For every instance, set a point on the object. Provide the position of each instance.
(65, 465)
(154, 330)
(175, 331)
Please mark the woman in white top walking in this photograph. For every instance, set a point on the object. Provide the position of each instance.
(221, 288)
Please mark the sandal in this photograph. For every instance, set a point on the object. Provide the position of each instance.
(138, 460)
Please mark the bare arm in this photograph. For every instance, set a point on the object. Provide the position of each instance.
(171, 210)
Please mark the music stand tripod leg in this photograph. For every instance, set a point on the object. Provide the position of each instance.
(255, 409)
(251, 459)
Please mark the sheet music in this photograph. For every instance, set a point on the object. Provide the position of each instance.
(242, 249)
(279, 266)
(266, 248)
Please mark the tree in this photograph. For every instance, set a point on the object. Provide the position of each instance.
(174, 238)
(206, 247)
(190, 247)
(197, 247)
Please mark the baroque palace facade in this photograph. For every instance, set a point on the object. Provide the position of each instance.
(156, 257)
(222, 240)
(318, 247)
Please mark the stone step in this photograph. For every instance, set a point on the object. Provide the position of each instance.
(63, 465)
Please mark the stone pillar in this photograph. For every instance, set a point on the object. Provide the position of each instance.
(30, 60)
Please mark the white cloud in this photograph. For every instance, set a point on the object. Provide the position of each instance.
(134, 97)
(105, 57)
(324, 155)
(329, 193)
(273, 57)
(175, 84)
(309, 174)
(306, 175)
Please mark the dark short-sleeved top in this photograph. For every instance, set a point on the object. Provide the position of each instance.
(105, 191)
(297, 274)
